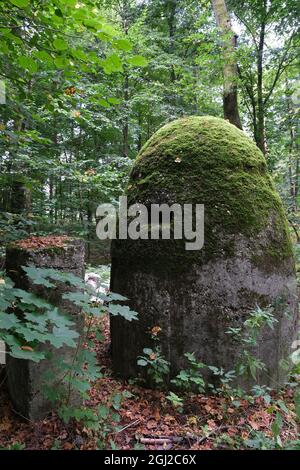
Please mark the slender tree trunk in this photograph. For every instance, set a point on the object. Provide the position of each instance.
(140, 122)
(230, 94)
(51, 186)
(171, 24)
(260, 137)
(291, 175)
(20, 202)
(125, 17)
(125, 150)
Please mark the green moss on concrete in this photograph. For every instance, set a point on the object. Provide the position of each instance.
(206, 160)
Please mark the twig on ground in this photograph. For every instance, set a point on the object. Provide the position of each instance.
(128, 426)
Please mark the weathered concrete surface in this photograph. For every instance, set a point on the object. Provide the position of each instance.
(25, 377)
(196, 296)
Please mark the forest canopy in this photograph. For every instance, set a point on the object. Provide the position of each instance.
(87, 83)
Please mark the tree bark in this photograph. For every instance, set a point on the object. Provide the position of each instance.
(125, 130)
(20, 202)
(171, 6)
(260, 131)
(230, 75)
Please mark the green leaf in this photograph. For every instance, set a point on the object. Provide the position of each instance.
(138, 61)
(123, 45)
(297, 403)
(277, 425)
(112, 297)
(29, 355)
(114, 101)
(69, 3)
(20, 3)
(112, 64)
(61, 336)
(30, 335)
(60, 44)
(28, 63)
(81, 299)
(43, 55)
(8, 320)
(61, 62)
(30, 299)
(147, 351)
(142, 362)
(58, 318)
(123, 311)
(79, 54)
(103, 103)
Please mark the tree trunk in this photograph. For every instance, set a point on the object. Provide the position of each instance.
(171, 25)
(125, 150)
(260, 131)
(230, 95)
(20, 202)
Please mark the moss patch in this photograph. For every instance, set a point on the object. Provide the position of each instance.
(206, 160)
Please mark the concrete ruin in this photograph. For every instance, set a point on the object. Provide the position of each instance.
(24, 377)
(246, 260)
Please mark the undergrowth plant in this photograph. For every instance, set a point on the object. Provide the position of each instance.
(156, 366)
(191, 379)
(28, 321)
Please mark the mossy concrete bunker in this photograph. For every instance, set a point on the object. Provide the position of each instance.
(246, 260)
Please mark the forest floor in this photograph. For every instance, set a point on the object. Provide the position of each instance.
(148, 420)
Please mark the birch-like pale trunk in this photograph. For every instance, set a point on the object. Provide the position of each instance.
(230, 74)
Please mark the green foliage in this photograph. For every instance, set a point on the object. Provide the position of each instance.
(32, 321)
(248, 337)
(14, 446)
(156, 367)
(176, 401)
(87, 84)
(43, 323)
(191, 378)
